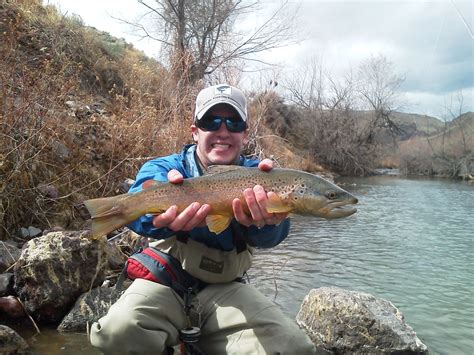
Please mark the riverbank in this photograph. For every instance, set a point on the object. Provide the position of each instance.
(46, 282)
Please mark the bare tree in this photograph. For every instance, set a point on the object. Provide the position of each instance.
(452, 149)
(329, 116)
(202, 36)
(306, 85)
(378, 87)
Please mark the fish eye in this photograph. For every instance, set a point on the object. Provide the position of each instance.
(331, 195)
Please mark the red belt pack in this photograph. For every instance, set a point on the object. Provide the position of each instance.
(154, 265)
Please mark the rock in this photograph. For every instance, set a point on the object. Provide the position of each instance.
(348, 322)
(115, 257)
(71, 104)
(55, 269)
(88, 309)
(30, 232)
(9, 254)
(126, 185)
(6, 284)
(62, 152)
(11, 307)
(24, 233)
(98, 107)
(11, 342)
(48, 190)
(34, 232)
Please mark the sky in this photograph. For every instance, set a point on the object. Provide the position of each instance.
(429, 42)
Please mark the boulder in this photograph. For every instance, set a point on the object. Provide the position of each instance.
(11, 342)
(55, 269)
(88, 309)
(10, 308)
(115, 257)
(9, 254)
(6, 284)
(349, 322)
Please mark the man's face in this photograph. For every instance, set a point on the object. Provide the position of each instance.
(219, 147)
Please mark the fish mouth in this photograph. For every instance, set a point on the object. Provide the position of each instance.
(339, 209)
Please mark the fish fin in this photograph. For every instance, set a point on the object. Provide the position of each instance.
(216, 169)
(106, 215)
(104, 226)
(217, 223)
(276, 205)
(150, 183)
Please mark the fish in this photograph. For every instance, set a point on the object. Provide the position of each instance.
(296, 192)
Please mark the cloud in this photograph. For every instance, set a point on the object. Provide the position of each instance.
(429, 42)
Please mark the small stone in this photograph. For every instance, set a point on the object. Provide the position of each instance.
(24, 232)
(70, 104)
(126, 185)
(48, 190)
(34, 232)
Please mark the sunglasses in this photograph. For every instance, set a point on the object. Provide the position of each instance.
(213, 123)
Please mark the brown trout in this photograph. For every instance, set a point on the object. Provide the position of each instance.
(296, 192)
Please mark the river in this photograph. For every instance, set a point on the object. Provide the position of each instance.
(411, 242)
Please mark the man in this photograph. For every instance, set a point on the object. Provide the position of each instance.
(233, 317)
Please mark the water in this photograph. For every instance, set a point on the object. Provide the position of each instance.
(411, 242)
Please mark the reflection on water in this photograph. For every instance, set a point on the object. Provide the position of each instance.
(411, 242)
(51, 342)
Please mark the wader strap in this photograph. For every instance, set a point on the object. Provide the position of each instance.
(239, 237)
(122, 277)
(182, 237)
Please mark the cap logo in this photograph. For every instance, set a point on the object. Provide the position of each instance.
(223, 89)
(220, 94)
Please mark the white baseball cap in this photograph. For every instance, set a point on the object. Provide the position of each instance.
(220, 94)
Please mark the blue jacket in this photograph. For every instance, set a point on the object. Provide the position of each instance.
(185, 163)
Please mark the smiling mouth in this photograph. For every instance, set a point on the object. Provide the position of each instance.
(220, 146)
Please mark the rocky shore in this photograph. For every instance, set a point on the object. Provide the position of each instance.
(66, 280)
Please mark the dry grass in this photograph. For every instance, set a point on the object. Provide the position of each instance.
(53, 156)
(449, 153)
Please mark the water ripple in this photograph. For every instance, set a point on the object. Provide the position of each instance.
(411, 243)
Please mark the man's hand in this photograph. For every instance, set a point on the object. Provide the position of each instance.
(191, 217)
(256, 200)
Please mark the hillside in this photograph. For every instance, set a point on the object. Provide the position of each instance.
(80, 111)
(449, 152)
(415, 124)
(410, 123)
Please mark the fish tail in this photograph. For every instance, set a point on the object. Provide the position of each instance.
(106, 215)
